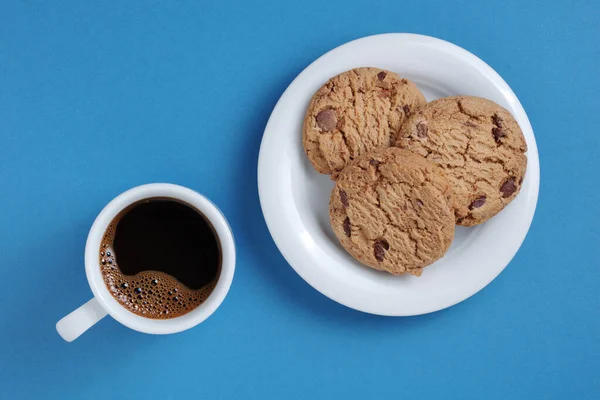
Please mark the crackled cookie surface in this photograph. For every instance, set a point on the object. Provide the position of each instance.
(392, 210)
(355, 112)
(480, 147)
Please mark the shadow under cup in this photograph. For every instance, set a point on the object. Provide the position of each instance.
(160, 258)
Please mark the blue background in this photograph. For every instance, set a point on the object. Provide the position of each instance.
(95, 99)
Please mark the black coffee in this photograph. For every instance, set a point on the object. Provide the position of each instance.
(160, 258)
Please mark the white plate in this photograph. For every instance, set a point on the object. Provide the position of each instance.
(295, 198)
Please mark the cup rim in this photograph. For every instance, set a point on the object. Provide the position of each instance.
(112, 306)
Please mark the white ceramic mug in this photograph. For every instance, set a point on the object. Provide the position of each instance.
(83, 318)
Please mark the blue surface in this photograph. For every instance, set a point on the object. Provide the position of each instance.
(95, 99)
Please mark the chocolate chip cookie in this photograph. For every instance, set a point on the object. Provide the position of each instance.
(355, 112)
(480, 147)
(391, 210)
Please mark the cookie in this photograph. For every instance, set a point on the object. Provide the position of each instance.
(479, 145)
(391, 210)
(355, 112)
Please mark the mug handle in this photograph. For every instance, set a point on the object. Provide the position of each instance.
(80, 320)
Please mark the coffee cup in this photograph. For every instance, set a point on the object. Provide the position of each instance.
(104, 301)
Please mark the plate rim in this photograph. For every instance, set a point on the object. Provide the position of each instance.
(480, 64)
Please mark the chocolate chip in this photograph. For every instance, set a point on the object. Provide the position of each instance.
(347, 226)
(344, 198)
(499, 122)
(378, 252)
(381, 76)
(374, 162)
(406, 109)
(521, 181)
(326, 120)
(421, 130)
(385, 93)
(379, 249)
(508, 187)
(420, 203)
(498, 134)
(478, 202)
